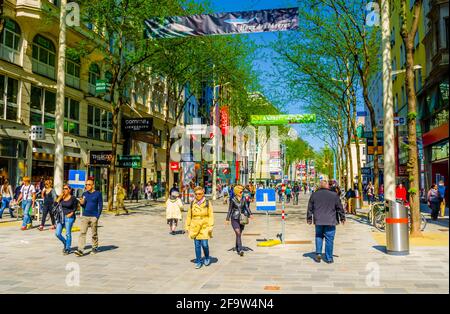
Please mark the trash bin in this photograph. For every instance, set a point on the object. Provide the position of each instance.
(397, 229)
(356, 201)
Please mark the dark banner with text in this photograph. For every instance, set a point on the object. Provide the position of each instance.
(223, 23)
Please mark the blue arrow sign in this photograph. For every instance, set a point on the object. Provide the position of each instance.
(265, 200)
(77, 179)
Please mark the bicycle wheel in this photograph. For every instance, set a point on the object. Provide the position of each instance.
(380, 222)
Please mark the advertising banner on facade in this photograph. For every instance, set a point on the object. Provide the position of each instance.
(282, 119)
(223, 23)
(127, 161)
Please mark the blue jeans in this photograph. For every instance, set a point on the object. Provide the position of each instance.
(26, 205)
(199, 244)
(327, 232)
(5, 203)
(381, 197)
(68, 223)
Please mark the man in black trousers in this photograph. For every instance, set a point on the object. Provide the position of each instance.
(325, 209)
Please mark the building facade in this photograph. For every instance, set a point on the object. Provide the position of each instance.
(28, 60)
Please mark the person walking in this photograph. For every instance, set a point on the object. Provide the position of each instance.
(381, 192)
(174, 188)
(225, 194)
(6, 195)
(65, 215)
(239, 213)
(288, 194)
(296, 190)
(148, 191)
(174, 209)
(401, 193)
(199, 225)
(325, 210)
(370, 190)
(135, 192)
(434, 200)
(155, 192)
(28, 197)
(49, 199)
(120, 197)
(92, 203)
(442, 189)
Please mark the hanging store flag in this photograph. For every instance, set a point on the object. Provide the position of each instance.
(224, 119)
(223, 23)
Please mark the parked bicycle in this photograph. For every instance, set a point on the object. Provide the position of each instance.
(379, 217)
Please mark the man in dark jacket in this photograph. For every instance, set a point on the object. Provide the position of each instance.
(325, 208)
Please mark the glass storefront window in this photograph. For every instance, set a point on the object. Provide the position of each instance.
(99, 124)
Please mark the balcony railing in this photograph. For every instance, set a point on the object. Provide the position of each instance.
(43, 69)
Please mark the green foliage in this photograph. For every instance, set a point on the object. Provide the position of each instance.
(297, 150)
(412, 116)
(412, 191)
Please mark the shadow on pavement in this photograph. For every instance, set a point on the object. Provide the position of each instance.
(381, 248)
(103, 248)
(442, 222)
(213, 260)
(244, 248)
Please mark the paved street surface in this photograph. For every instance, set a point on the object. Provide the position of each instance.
(138, 255)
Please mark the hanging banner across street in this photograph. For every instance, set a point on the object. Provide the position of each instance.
(223, 23)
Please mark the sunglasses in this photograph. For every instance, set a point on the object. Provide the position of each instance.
(66, 189)
(88, 184)
(201, 193)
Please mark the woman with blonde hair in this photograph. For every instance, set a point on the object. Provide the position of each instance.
(239, 213)
(199, 225)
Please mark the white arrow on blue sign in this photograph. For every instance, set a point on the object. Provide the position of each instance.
(77, 179)
(265, 200)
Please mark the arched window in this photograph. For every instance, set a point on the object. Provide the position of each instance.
(73, 72)
(94, 75)
(44, 55)
(10, 42)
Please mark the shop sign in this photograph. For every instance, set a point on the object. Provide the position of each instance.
(101, 86)
(224, 119)
(174, 166)
(371, 150)
(100, 158)
(138, 124)
(223, 166)
(129, 161)
(366, 171)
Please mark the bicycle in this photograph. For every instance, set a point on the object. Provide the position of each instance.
(380, 219)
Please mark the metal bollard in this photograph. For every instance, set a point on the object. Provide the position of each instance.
(397, 229)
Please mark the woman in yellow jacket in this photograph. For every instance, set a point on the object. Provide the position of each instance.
(199, 225)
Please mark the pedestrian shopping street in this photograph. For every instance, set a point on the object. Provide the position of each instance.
(138, 255)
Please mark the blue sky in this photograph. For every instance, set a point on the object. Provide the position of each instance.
(271, 82)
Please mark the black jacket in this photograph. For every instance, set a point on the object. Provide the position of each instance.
(237, 207)
(325, 208)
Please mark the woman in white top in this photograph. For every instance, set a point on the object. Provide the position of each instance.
(174, 207)
(28, 197)
(7, 195)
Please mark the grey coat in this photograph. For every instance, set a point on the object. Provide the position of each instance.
(325, 208)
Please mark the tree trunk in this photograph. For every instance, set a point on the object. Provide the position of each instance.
(112, 167)
(167, 90)
(413, 167)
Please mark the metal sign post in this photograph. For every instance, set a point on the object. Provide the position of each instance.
(265, 201)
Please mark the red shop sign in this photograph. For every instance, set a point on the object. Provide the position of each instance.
(174, 166)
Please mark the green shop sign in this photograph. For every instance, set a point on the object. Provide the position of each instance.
(126, 161)
(282, 119)
(101, 86)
